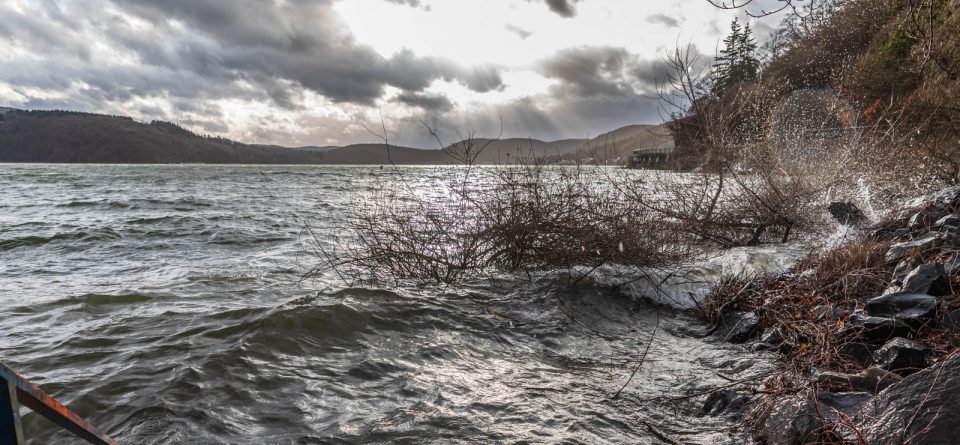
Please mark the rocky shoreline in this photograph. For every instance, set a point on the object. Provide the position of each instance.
(865, 335)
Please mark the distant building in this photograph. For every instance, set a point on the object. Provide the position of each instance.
(651, 157)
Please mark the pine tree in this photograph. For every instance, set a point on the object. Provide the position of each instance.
(737, 61)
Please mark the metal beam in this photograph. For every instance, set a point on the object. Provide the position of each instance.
(10, 431)
(32, 397)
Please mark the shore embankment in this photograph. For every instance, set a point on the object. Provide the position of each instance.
(865, 333)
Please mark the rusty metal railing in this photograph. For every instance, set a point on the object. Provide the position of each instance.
(16, 390)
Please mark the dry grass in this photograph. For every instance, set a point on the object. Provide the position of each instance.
(810, 306)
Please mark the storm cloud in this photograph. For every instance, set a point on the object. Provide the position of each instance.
(230, 45)
(307, 72)
(602, 71)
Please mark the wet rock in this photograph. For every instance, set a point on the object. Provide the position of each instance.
(902, 270)
(952, 264)
(770, 340)
(912, 308)
(856, 352)
(873, 380)
(926, 241)
(738, 327)
(798, 420)
(847, 213)
(724, 401)
(951, 320)
(946, 198)
(949, 222)
(902, 356)
(923, 407)
(875, 329)
(923, 219)
(929, 279)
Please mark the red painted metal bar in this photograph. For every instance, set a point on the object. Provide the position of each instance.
(31, 396)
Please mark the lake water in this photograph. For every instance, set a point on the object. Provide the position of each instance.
(164, 304)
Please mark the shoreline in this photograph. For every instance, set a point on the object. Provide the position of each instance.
(863, 334)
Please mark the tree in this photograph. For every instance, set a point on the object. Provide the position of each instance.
(737, 61)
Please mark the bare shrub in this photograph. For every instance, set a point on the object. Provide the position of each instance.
(520, 217)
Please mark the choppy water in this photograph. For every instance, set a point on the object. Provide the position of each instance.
(163, 304)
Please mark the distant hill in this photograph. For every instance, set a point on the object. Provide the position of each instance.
(55, 136)
(73, 137)
(619, 143)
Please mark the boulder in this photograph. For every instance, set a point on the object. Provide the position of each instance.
(801, 418)
(724, 401)
(946, 198)
(922, 408)
(873, 380)
(875, 329)
(912, 308)
(949, 222)
(929, 279)
(858, 353)
(847, 213)
(902, 356)
(738, 327)
(927, 241)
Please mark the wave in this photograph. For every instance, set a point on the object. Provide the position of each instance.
(100, 234)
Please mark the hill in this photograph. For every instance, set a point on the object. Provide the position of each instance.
(74, 137)
(65, 137)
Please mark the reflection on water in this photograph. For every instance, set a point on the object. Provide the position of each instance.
(162, 302)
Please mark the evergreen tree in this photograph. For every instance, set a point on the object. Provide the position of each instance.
(737, 61)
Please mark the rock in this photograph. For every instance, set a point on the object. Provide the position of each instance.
(923, 407)
(902, 249)
(952, 264)
(951, 320)
(859, 353)
(771, 339)
(847, 213)
(903, 269)
(873, 380)
(948, 197)
(929, 279)
(801, 418)
(926, 241)
(912, 308)
(874, 329)
(923, 219)
(902, 356)
(724, 401)
(949, 222)
(738, 327)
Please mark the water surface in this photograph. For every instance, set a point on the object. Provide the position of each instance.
(164, 304)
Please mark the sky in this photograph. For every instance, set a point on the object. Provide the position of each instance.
(327, 72)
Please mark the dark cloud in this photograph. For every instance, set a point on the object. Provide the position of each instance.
(523, 33)
(601, 71)
(182, 60)
(414, 3)
(663, 19)
(565, 8)
(650, 72)
(276, 48)
(437, 103)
